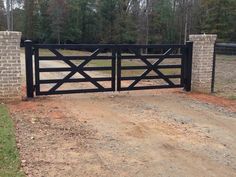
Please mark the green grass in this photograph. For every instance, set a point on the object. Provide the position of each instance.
(226, 57)
(232, 97)
(9, 156)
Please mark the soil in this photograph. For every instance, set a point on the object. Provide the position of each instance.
(158, 133)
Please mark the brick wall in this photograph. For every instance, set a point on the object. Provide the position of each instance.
(10, 66)
(203, 54)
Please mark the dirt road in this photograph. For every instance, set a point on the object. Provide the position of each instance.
(165, 133)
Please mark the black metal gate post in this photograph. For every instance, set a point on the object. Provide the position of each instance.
(119, 70)
(188, 66)
(113, 72)
(213, 71)
(29, 68)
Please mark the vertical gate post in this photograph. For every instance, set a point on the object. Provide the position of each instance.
(113, 72)
(29, 68)
(213, 71)
(188, 66)
(119, 69)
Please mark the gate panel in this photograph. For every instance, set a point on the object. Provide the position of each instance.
(157, 72)
(136, 67)
(79, 65)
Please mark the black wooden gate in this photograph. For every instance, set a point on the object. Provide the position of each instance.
(159, 62)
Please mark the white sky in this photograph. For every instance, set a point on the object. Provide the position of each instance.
(14, 6)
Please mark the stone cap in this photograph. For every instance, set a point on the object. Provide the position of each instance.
(10, 34)
(203, 37)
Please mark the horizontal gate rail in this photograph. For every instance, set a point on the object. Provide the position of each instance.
(151, 77)
(48, 58)
(148, 67)
(59, 92)
(151, 87)
(94, 46)
(74, 69)
(127, 57)
(52, 81)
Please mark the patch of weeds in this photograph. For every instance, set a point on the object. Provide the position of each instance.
(232, 97)
(226, 57)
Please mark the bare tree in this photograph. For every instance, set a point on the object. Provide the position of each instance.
(10, 20)
(8, 16)
(2, 16)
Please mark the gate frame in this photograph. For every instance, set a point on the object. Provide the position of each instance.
(74, 68)
(29, 68)
(186, 68)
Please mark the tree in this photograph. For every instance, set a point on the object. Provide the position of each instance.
(121, 21)
(88, 20)
(44, 23)
(125, 31)
(29, 7)
(57, 11)
(18, 16)
(2, 16)
(219, 18)
(162, 27)
(107, 10)
(73, 30)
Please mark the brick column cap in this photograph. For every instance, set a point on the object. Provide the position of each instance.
(10, 34)
(203, 37)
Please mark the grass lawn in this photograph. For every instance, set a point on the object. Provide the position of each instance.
(225, 81)
(9, 156)
(226, 57)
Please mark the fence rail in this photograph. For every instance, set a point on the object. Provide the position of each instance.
(225, 48)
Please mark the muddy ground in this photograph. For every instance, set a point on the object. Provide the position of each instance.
(158, 133)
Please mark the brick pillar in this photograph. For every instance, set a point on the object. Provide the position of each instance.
(203, 54)
(10, 66)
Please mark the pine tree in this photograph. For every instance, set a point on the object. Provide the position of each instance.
(220, 18)
(58, 13)
(28, 7)
(107, 10)
(73, 31)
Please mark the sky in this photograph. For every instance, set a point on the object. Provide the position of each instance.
(14, 6)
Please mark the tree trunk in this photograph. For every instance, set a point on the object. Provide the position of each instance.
(186, 28)
(58, 37)
(8, 16)
(11, 16)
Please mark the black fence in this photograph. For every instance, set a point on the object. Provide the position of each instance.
(225, 48)
(153, 61)
(221, 49)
